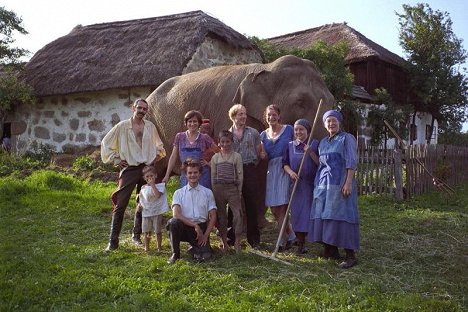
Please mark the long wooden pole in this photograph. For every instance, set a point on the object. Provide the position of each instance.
(438, 182)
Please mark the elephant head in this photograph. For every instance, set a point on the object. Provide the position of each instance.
(292, 83)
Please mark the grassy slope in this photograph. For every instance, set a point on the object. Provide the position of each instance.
(53, 230)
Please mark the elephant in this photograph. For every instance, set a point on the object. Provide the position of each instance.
(292, 83)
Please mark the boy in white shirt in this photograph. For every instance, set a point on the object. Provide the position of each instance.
(152, 203)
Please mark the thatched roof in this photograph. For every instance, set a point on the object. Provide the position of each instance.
(360, 93)
(123, 54)
(361, 48)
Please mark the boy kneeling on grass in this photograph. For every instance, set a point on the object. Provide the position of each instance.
(193, 215)
(152, 204)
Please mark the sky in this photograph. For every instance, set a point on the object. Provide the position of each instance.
(47, 20)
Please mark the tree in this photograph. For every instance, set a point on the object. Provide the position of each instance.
(10, 22)
(454, 138)
(435, 55)
(330, 60)
(12, 90)
(386, 109)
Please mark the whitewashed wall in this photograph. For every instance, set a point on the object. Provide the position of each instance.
(74, 121)
(421, 121)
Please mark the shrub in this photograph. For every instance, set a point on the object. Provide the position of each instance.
(40, 152)
(84, 163)
(10, 163)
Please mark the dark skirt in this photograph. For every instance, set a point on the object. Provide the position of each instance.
(337, 233)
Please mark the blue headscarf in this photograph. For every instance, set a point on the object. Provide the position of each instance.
(305, 123)
(333, 113)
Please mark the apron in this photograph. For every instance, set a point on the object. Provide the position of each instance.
(194, 153)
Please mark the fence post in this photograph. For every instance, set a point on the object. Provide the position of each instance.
(398, 175)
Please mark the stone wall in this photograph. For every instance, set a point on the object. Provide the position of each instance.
(213, 52)
(70, 122)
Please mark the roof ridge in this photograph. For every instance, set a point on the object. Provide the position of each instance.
(126, 23)
(321, 27)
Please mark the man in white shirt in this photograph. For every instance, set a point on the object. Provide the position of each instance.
(194, 215)
(131, 144)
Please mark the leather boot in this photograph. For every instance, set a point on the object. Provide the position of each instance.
(334, 253)
(116, 225)
(326, 251)
(174, 228)
(300, 248)
(349, 261)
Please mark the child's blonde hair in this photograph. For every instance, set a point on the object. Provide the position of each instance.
(148, 169)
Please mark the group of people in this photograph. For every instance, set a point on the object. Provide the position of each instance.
(316, 180)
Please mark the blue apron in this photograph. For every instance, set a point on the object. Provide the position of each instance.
(194, 153)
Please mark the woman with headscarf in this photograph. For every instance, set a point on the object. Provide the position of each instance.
(301, 200)
(334, 218)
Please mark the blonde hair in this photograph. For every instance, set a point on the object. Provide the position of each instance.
(234, 110)
(148, 169)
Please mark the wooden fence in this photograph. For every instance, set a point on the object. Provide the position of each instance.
(400, 171)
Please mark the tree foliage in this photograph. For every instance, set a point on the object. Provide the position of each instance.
(330, 60)
(386, 109)
(9, 23)
(454, 138)
(435, 55)
(12, 90)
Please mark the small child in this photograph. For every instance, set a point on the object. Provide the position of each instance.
(153, 203)
(226, 180)
(205, 127)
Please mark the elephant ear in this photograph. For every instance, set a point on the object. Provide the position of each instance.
(255, 92)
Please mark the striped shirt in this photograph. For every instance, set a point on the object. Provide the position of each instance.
(227, 171)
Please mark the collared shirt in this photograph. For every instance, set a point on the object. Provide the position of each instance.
(246, 146)
(195, 202)
(120, 144)
(152, 205)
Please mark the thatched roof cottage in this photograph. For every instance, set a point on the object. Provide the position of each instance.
(86, 80)
(372, 65)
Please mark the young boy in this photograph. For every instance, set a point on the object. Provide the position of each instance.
(153, 203)
(226, 180)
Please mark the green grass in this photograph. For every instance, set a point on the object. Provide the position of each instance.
(54, 228)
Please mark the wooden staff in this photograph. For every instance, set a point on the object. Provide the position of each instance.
(437, 182)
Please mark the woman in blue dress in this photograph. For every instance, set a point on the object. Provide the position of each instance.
(301, 201)
(275, 141)
(334, 218)
(191, 144)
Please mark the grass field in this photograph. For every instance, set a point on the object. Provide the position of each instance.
(54, 228)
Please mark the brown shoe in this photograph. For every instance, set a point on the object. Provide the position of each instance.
(348, 263)
(300, 249)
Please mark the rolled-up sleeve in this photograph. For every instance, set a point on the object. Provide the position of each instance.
(110, 146)
(158, 142)
(350, 152)
(211, 201)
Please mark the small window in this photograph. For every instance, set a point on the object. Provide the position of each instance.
(413, 131)
(428, 132)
